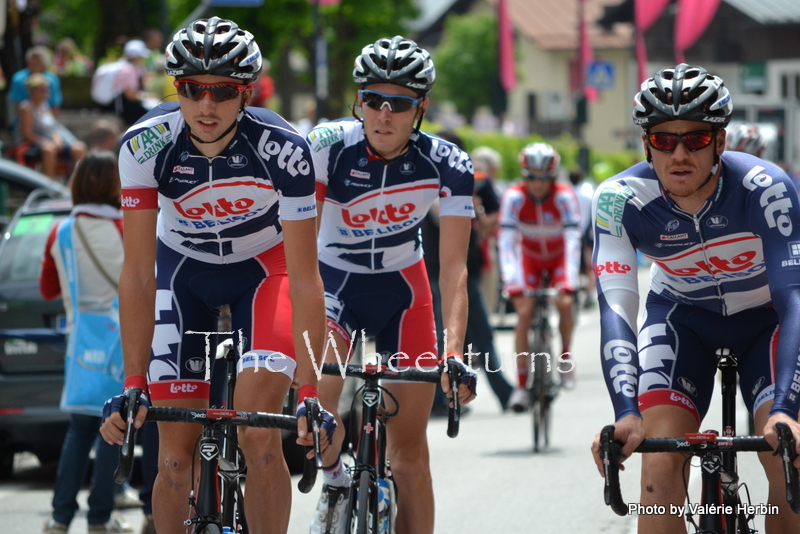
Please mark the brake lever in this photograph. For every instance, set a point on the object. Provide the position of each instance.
(312, 465)
(123, 471)
(786, 449)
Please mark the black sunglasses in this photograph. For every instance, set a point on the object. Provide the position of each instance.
(693, 141)
(220, 92)
(535, 177)
(396, 103)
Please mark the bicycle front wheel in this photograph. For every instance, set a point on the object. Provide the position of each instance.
(540, 404)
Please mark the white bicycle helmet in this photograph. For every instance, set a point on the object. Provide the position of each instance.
(539, 159)
(746, 138)
(682, 93)
(214, 46)
(397, 60)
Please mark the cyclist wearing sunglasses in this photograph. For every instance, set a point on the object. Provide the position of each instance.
(379, 175)
(540, 231)
(722, 231)
(203, 180)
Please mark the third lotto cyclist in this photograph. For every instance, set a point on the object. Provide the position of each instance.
(219, 171)
(723, 233)
(379, 175)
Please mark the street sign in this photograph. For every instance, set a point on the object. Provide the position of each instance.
(601, 75)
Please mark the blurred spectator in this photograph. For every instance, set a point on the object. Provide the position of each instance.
(69, 61)
(38, 60)
(309, 120)
(584, 190)
(130, 104)
(95, 190)
(104, 136)
(263, 87)
(154, 41)
(39, 129)
(746, 137)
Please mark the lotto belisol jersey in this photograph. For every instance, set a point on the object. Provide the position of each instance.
(223, 209)
(372, 211)
(740, 251)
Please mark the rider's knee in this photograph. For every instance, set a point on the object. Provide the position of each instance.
(261, 447)
(662, 477)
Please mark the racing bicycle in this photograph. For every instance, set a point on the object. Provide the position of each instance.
(217, 506)
(722, 510)
(372, 505)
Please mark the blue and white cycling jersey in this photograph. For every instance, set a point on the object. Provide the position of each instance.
(740, 251)
(372, 212)
(223, 209)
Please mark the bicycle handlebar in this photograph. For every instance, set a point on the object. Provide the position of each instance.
(211, 416)
(611, 452)
(383, 372)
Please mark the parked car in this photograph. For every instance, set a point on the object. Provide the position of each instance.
(17, 182)
(32, 336)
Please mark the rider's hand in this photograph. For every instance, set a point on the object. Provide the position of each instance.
(771, 433)
(328, 422)
(469, 379)
(112, 427)
(628, 430)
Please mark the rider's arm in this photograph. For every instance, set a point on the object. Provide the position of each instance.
(615, 265)
(308, 303)
(509, 241)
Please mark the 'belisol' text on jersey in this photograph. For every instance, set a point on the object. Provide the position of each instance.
(740, 251)
(370, 222)
(222, 209)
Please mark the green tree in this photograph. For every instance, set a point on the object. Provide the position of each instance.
(466, 62)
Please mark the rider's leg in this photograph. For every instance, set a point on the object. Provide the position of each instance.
(407, 448)
(565, 301)
(523, 306)
(663, 473)
(785, 520)
(173, 482)
(268, 497)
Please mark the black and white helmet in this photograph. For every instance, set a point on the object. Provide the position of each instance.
(397, 60)
(540, 159)
(746, 137)
(682, 93)
(214, 46)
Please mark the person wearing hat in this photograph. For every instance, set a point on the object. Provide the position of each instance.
(130, 104)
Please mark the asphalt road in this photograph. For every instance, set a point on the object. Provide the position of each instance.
(487, 480)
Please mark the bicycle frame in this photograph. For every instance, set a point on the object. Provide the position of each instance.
(719, 476)
(370, 462)
(540, 383)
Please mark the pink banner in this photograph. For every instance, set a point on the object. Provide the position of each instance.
(586, 58)
(325, 2)
(646, 13)
(691, 21)
(506, 60)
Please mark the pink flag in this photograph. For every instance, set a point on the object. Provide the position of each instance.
(691, 21)
(586, 58)
(325, 2)
(646, 13)
(506, 61)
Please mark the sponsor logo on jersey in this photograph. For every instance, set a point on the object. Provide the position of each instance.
(717, 222)
(184, 156)
(223, 207)
(237, 161)
(359, 174)
(611, 267)
(794, 249)
(622, 373)
(180, 169)
(456, 158)
(757, 387)
(388, 215)
(611, 205)
(286, 154)
(775, 199)
(150, 142)
(715, 264)
(407, 168)
(679, 398)
(672, 225)
(362, 162)
(349, 183)
(676, 237)
(196, 365)
(688, 386)
(323, 136)
(129, 202)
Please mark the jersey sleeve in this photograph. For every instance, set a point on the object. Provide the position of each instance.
(295, 179)
(137, 164)
(320, 139)
(615, 266)
(774, 215)
(457, 182)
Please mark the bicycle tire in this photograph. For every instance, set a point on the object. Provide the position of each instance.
(540, 404)
(210, 529)
(364, 487)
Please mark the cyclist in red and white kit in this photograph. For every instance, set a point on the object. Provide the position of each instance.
(219, 209)
(378, 176)
(539, 231)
